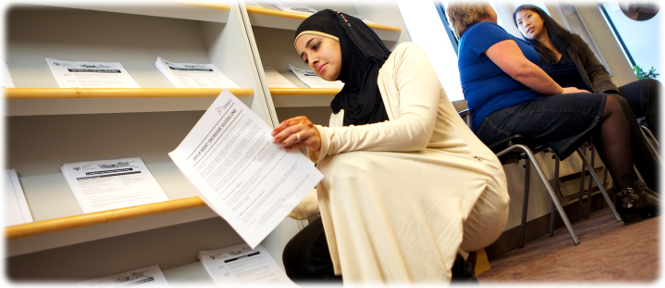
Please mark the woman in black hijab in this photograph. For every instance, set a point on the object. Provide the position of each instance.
(408, 189)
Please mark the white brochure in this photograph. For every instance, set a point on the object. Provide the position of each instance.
(249, 181)
(112, 184)
(189, 75)
(7, 81)
(241, 265)
(310, 79)
(79, 74)
(16, 207)
(276, 80)
(148, 276)
(301, 9)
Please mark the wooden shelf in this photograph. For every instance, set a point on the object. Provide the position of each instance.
(91, 93)
(302, 97)
(85, 220)
(273, 18)
(303, 92)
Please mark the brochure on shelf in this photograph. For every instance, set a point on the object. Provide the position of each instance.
(310, 79)
(253, 4)
(300, 9)
(112, 184)
(249, 181)
(276, 80)
(240, 265)
(16, 206)
(6, 77)
(81, 74)
(190, 75)
(148, 276)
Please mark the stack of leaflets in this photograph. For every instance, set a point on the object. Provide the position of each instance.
(78, 74)
(6, 78)
(143, 276)
(295, 9)
(112, 184)
(313, 81)
(16, 207)
(240, 265)
(189, 75)
(276, 80)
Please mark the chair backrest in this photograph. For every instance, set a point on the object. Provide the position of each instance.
(466, 116)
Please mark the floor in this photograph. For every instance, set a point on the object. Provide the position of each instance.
(608, 253)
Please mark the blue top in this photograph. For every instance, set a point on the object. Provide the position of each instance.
(486, 87)
(565, 73)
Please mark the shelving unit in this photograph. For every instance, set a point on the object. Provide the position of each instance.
(49, 126)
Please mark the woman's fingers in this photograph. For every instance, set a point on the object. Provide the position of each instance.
(296, 133)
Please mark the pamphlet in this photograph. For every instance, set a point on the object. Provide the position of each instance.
(78, 74)
(313, 81)
(241, 265)
(276, 80)
(6, 78)
(148, 276)
(16, 206)
(189, 75)
(249, 181)
(301, 9)
(112, 184)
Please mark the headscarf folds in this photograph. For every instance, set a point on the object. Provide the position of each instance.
(363, 54)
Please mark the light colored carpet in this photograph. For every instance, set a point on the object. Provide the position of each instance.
(608, 253)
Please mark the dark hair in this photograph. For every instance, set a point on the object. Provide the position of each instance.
(561, 39)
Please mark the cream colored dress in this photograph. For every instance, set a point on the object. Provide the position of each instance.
(399, 198)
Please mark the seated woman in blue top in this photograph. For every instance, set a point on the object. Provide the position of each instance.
(566, 58)
(509, 94)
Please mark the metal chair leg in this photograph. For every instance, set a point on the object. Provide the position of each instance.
(556, 189)
(582, 178)
(602, 189)
(525, 205)
(591, 169)
(548, 187)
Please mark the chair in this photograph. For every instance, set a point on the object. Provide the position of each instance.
(516, 147)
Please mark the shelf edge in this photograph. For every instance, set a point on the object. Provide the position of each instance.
(73, 93)
(91, 219)
(303, 91)
(297, 16)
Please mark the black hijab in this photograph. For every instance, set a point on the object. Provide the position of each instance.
(363, 54)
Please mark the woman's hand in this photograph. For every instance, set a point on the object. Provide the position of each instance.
(569, 90)
(296, 133)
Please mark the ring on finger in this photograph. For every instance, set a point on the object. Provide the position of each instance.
(298, 136)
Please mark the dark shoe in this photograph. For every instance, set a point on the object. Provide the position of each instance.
(464, 271)
(637, 203)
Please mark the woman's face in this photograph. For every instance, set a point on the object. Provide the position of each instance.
(530, 24)
(322, 54)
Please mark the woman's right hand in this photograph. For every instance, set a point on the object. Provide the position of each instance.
(296, 133)
(570, 90)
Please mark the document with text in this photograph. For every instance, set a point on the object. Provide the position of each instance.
(148, 276)
(249, 181)
(112, 184)
(80, 74)
(190, 75)
(240, 265)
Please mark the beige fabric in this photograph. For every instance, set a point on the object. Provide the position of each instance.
(396, 194)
